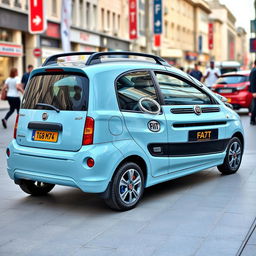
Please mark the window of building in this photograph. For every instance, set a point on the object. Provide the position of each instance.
(114, 23)
(17, 3)
(88, 15)
(108, 19)
(54, 8)
(81, 9)
(132, 87)
(118, 22)
(5, 35)
(178, 92)
(142, 23)
(102, 19)
(73, 13)
(94, 17)
(166, 29)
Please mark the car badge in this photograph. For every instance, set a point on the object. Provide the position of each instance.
(154, 126)
(197, 110)
(44, 116)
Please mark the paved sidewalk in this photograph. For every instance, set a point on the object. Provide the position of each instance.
(4, 105)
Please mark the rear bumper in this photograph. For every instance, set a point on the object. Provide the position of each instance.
(63, 167)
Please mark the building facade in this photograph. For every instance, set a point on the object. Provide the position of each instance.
(185, 37)
(224, 46)
(100, 25)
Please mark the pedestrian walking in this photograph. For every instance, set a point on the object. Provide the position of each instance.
(24, 79)
(13, 86)
(196, 73)
(252, 79)
(211, 75)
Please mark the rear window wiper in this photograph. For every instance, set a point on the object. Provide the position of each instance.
(47, 105)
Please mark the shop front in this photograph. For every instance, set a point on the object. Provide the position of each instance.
(10, 56)
(83, 41)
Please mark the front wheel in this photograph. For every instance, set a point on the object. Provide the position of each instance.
(233, 157)
(126, 188)
(36, 188)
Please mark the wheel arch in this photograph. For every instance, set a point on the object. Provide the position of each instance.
(132, 158)
(137, 160)
(240, 136)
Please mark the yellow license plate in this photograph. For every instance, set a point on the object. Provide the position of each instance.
(45, 136)
(203, 135)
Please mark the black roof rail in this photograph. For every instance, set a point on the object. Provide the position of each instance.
(53, 59)
(95, 57)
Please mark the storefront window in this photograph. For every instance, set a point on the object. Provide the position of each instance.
(5, 35)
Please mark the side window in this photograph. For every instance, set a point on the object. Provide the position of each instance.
(132, 87)
(178, 92)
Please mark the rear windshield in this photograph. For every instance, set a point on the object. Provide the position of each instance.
(63, 91)
(232, 79)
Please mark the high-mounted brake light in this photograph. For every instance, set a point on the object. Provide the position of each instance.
(54, 70)
(15, 127)
(88, 131)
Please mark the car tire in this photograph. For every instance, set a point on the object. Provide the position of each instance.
(233, 157)
(36, 188)
(126, 189)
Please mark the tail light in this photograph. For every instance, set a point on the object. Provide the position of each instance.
(15, 127)
(88, 131)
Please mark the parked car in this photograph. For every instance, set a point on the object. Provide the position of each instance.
(116, 126)
(235, 87)
(228, 66)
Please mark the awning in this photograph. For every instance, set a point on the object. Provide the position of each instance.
(171, 53)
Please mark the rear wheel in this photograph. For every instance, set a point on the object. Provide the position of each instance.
(233, 157)
(126, 188)
(36, 188)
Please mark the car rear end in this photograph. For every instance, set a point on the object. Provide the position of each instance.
(53, 136)
(235, 87)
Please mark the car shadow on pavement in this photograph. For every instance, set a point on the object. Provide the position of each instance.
(65, 198)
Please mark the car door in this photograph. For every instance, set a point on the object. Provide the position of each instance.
(196, 123)
(144, 128)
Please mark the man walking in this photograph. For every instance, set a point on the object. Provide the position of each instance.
(25, 77)
(196, 73)
(253, 91)
(211, 75)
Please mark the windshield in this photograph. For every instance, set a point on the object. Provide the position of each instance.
(63, 91)
(232, 79)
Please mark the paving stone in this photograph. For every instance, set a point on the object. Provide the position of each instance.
(249, 250)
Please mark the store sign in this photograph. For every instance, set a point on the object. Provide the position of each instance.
(37, 52)
(133, 19)
(158, 17)
(46, 52)
(84, 38)
(252, 44)
(191, 56)
(210, 36)
(157, 40)
(36, 17)
(11, 50)
(53, 30)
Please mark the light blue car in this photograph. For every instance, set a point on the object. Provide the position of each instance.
(115, 126)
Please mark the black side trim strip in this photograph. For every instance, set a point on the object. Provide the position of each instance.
(45, 126)
(198, 124)
(187, 148)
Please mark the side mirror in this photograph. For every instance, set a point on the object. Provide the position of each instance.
(229, 105)
(149, 106)
(222, 98)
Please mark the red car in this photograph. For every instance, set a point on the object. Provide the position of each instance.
(235, 87)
